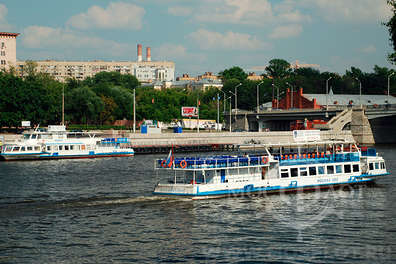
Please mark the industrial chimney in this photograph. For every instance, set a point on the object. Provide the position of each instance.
(139, 53)
(148, 54)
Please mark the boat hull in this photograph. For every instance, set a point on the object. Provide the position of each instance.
(55, 157)
(250, 189)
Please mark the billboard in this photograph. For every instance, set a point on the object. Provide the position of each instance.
(26, 123)
(306, 135)
(189, 111)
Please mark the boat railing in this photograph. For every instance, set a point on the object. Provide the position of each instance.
(219, 162)
(295, 159)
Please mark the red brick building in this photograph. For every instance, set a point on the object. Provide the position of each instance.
(295, 100)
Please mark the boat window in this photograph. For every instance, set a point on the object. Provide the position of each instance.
(8, 148)
(26, 136)
(377, 166)
(382, 165)
(371, 166)
(34, 136)
(347, 168)
(338, 168)
(60, 147)
(321, 170)
(29, 148)
(36, 148)
(48, 148)
(38, 136)
(355, 167)
(22, 148)
(71, 147)
(284, 173)
(312, 171)
(303, 172)
(66, 147)
(330, 169)
(294, 172)
(15, 149)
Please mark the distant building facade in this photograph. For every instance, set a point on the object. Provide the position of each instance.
(7, 49)
(145, 71)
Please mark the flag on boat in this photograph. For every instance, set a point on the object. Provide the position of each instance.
(169, 160)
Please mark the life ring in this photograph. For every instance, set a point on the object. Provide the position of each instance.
(163, 164)
(264, 159)
(183, 164)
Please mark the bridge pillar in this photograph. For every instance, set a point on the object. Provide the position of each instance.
(361, 128)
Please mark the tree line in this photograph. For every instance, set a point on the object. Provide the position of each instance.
(108, 96)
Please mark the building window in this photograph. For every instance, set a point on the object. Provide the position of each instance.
(2, 45)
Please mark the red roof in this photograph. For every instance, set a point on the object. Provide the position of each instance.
(9, 34)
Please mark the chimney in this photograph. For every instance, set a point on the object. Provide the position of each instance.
(139, 53)
(148, 54)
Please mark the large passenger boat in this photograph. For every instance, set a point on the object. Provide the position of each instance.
(57, 143)
(278, 168)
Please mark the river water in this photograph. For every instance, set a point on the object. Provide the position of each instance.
(103, 211)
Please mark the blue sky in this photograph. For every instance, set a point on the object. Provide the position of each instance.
(203, 35)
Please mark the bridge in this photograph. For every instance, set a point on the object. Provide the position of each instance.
(369, 124)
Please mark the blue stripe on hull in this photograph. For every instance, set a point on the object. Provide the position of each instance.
(268, 189)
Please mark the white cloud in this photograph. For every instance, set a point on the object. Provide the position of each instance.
(170, 51)
(369, 49)
(3, 21)
(250, 12)
(179, 11)
(209, 40)
(286, 31)
(117, 15)
(39, 37)
(350, 10)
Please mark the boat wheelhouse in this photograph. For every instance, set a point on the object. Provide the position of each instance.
(57, 143)
(279, 168)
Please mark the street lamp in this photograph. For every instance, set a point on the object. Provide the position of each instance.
(389, 83)
(224, 100)
(236, 105)
(360, 91)
(258, 95)
(327, 92)
(229, 98)
(291, 104)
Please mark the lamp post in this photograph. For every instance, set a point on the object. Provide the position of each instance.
(291, 103)
(389, 83)
(63, 104)
(224, 100)
(258, 95)
(134, 110)
(360, 92)
(327, 92)
(229, 98)
(218, 112)
(236, 105)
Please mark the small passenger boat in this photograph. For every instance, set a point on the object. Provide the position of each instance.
(296, 166)
(57, 143)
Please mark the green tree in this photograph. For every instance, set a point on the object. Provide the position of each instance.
(233, 73)
(391, 24)
(278, 68)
